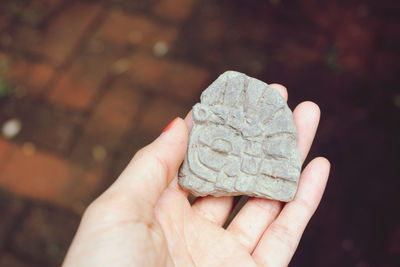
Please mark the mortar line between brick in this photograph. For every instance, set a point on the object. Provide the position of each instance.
(70, 59)
(55, 12)
(14, 23)
(28, 205)
(19, 218)
(104, 85)
(126, 138)
(41, 147)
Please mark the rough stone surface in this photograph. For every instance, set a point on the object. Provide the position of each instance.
(243, 142)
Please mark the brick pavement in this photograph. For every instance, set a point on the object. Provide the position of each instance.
(85, 79)
(93, 81)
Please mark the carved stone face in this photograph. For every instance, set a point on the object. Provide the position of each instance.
(243, 142)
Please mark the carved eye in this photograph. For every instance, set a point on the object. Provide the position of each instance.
(234, 116)
(221, 145)
(235, 119)
(249, 121)
(200, 112)
(219, 115)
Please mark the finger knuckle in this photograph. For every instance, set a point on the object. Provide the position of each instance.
(285, 234)
(140, 153)
(268, 207)
(157, 163)
(98, 209)
(306, 206)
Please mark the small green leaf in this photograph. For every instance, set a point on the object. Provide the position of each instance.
(5, 88)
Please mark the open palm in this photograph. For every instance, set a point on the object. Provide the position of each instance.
(145, 218)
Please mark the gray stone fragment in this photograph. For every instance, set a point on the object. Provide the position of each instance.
(243, 142)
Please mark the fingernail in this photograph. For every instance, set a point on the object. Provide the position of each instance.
(169, 125)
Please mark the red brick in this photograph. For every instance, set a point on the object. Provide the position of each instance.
(63, 33)
(120, 28)
(118, 106)
(10, 260)
(158, 114)
(74, 90)
(40, 74)
(175, 10)
(31, 77)
(47, 177)
(45, 235)
(181, 80)
(5, 151)
(78, 86)
(111, 118)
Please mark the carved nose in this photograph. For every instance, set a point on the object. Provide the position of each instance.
(221, 145)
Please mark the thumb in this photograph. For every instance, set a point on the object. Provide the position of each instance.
(154, 166)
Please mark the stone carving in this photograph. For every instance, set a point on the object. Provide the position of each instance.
(243, 142)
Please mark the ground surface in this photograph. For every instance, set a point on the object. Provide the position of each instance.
(93, 81)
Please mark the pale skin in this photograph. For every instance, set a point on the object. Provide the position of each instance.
(145, 219)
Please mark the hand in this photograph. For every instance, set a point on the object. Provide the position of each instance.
(145, 219)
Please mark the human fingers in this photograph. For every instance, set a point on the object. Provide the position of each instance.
(281, 89)
(189, 120)
(151, 170)
(252, 220)
(174, 187)
(215, 209)
(280, 240)
(306, 117)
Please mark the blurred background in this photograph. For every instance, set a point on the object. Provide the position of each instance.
(85, 84)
